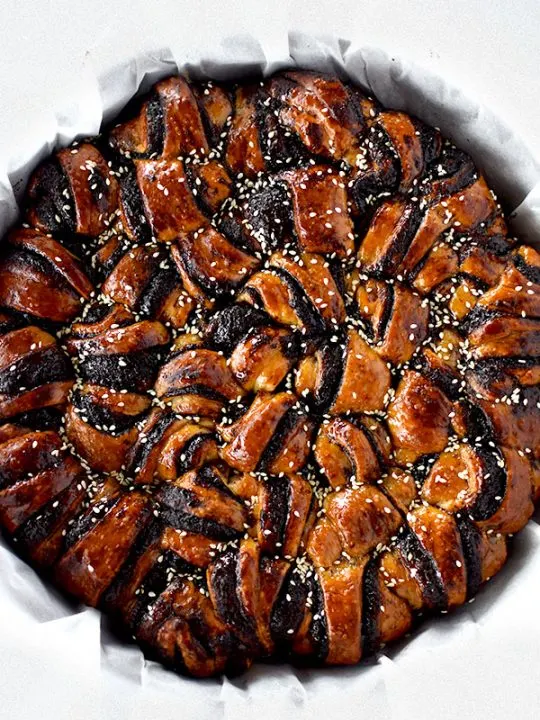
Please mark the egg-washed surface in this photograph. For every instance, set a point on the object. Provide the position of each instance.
(269, 374)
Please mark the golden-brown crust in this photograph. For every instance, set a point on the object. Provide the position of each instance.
(269, 378)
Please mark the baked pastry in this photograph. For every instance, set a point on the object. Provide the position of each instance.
(269, 374)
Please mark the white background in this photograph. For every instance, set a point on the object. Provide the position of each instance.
(488, 660)
(488, 47)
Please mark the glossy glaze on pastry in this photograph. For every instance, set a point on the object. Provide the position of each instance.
(269, 374)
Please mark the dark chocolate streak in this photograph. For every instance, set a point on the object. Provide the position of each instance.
(531, 272)
(157, 581)
(176, 503)
(389, 262)
(99, 189)
(196, 389)
(48, 196)
(153, 436)
(103, 270)
(386, 315)
(300, 302)
(371, 601)
(275, 513)
(230, 325)
(33, 531)
(157, 290)
(370, 437)
(190, 449)
(276, 443)
(215, 290)
(470, 543)
(235, 231)
(282, 148)
(225, 580)
(429, 140)
(486, 503)
(415, 556)
(133, 206)
(156, 125)
(11, 322)
(148, 535)
(41, 460)
(288, 610)
(87, 521)
(332, 359)
(137, 374)
(35, 369)
(442, 377)
(319, 628)
(23, 257)
(460, 172)
(208, 477)
(97, 415)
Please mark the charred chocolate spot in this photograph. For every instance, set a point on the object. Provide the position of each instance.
(96, 313)
(478, 423)
(476, 318)
(40, 419)
(235, 230)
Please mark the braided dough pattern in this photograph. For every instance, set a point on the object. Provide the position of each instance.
(269, 374)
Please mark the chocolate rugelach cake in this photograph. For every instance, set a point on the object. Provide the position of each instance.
(269, 374)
